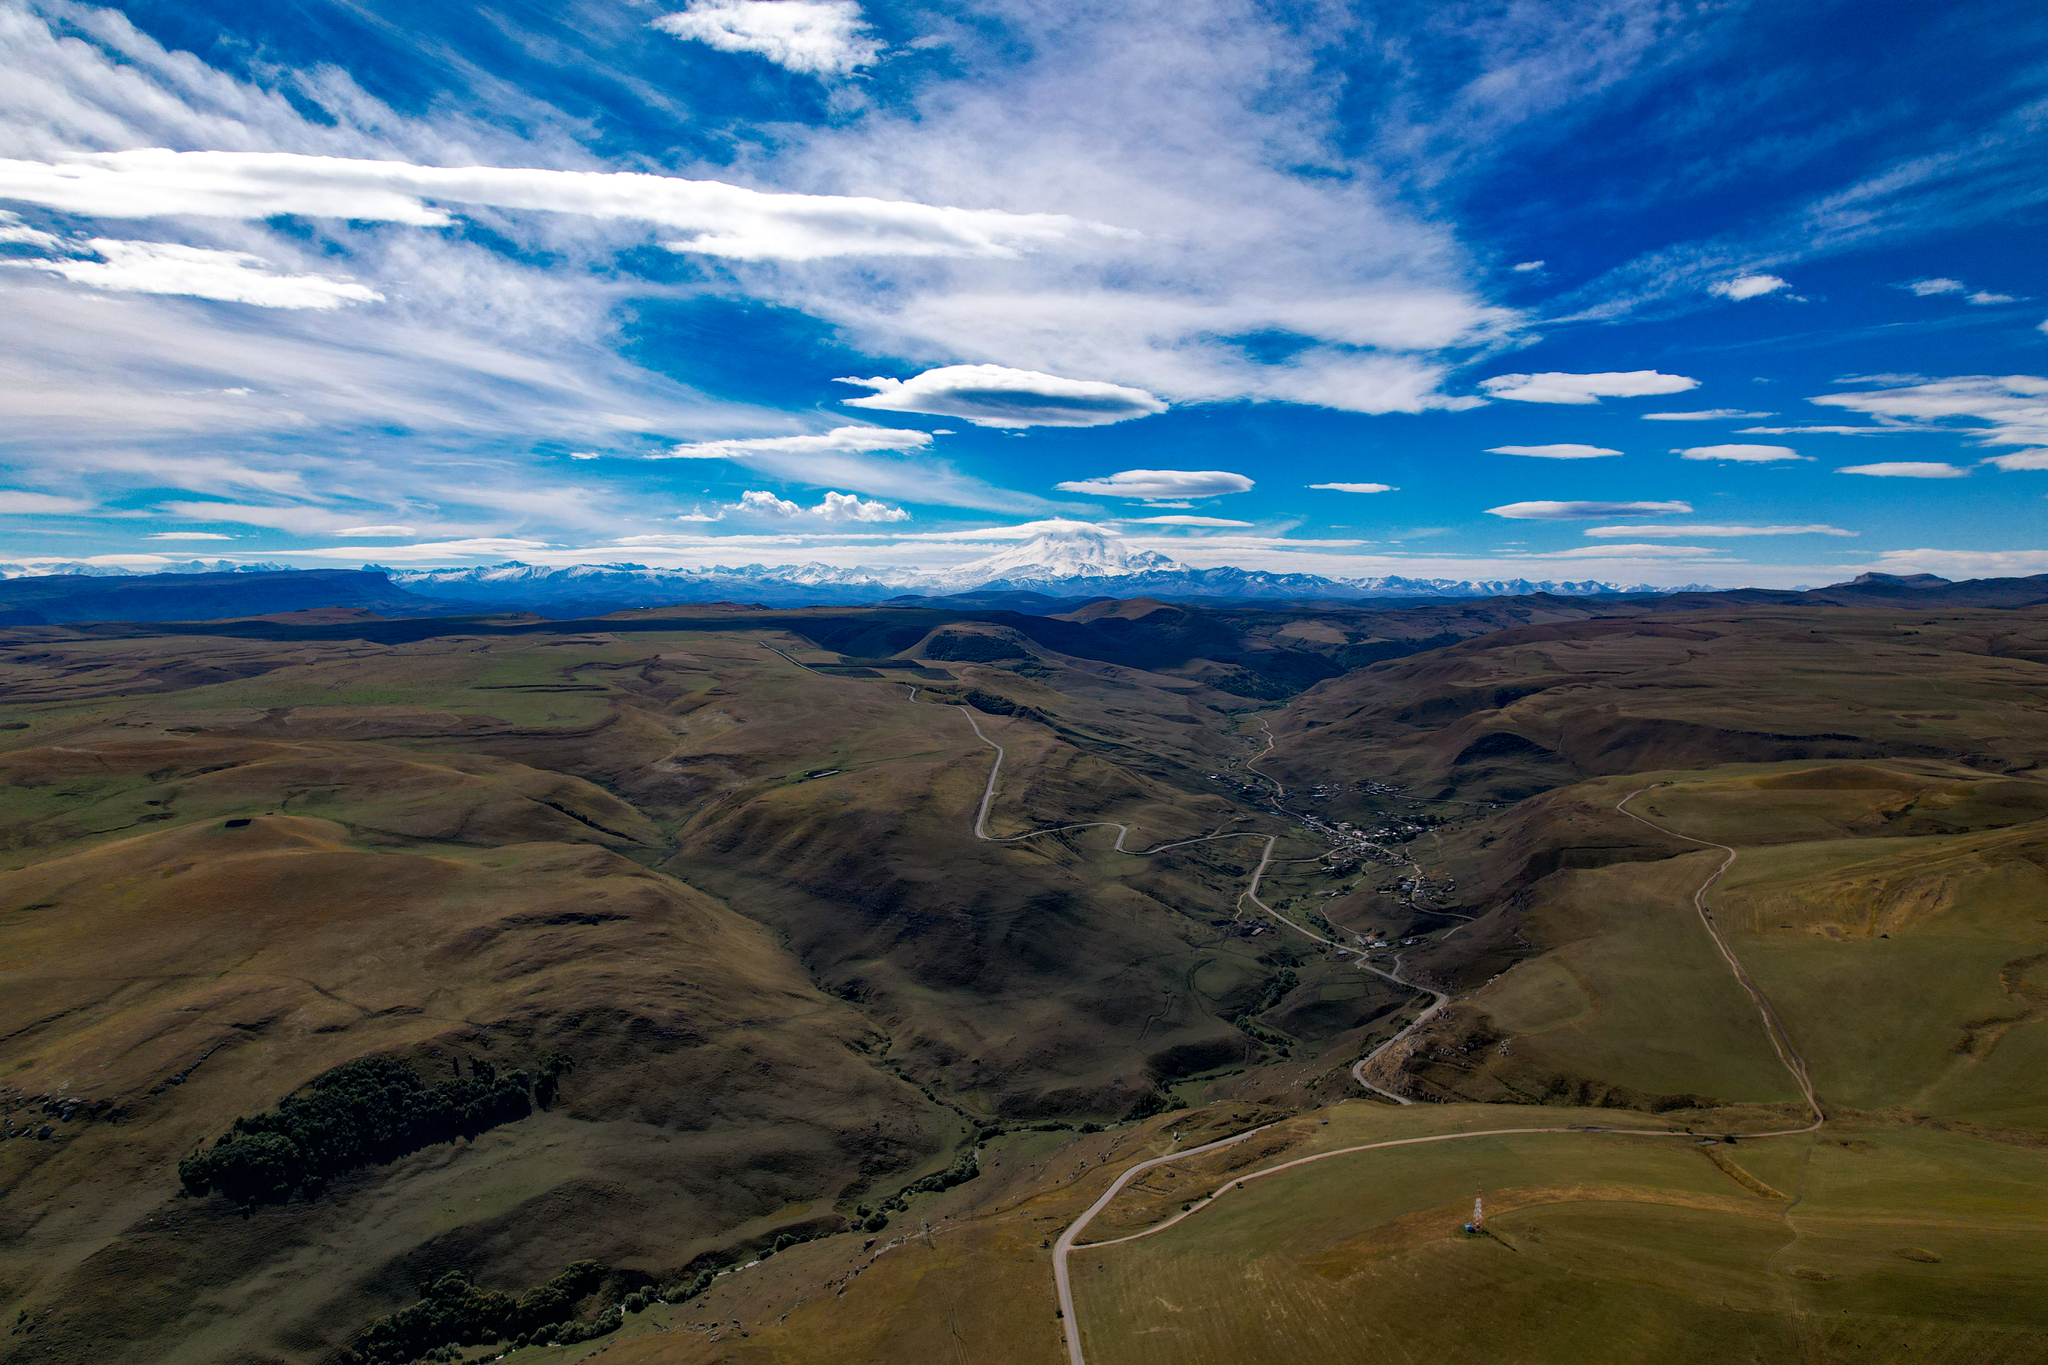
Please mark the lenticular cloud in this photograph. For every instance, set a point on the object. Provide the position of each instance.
(1157, 485)
(997, 396)
(1584, 388)
(1583, 511)
(727, 220)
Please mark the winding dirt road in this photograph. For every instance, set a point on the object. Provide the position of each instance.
(1122, 830)
(1773, 1027)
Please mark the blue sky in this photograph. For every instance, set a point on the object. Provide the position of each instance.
(1645, 292)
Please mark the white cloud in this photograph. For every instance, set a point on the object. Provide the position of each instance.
(1022, 530)
(477, 350)
(1357, 487)
(836, 440)
(1193, 126)
(1906, 469)
(1160, 485)
(1584, 388)
(1186, 521)
(1747, 286)
(1884, 379)
(767, 504)
(1740, 454)
(1821, 431)
(1679, 532)
(475, 547)
(2020, 459)
(16, 503)
(188, 535)
(1966, 563)
(298, 519)
(730, 220)
(1554, 452)
(1926, 288)
(1585, 511)
(816, 37)
(1705, 415)
(1526, 266)
(842, 456)
(1633, 551)
(15, 232)
(198, 272)
(845, 507)
(997, 396)
(835, 507)
(1209, 134)
(2015, 405)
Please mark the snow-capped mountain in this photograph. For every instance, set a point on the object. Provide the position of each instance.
(77, 568)
(1054, 557)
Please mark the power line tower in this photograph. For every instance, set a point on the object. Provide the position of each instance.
(1478, 1223)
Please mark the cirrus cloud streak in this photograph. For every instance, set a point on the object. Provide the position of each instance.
(1679, 532)
(729, 220)
(198, 272)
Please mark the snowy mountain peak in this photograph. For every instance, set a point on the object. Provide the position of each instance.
(1052, 556)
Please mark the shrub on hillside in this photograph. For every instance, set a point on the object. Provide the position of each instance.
(365, 1112)
(959, 1173)
(990, 702)
(454, 1312)
(972, 649)
(1274, 675)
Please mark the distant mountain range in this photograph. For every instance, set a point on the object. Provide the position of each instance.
(204, 592)
(1057, 564)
